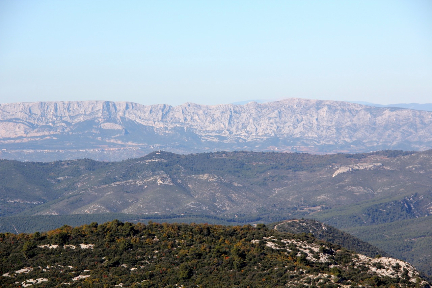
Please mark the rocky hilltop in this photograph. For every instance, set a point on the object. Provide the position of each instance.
(103, 130)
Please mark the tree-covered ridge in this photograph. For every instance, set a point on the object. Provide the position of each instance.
(189, 255)
(65, 187)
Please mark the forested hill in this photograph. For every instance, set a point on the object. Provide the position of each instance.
(186, 255)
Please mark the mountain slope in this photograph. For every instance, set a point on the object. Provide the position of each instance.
(46, 131)
(329, 234)
(409, 239)
(381, 187)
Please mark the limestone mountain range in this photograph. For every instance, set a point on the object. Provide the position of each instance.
(103, 130)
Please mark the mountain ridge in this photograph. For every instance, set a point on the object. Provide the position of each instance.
(103, 130)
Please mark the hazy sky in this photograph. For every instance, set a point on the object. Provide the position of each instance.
(213, 52)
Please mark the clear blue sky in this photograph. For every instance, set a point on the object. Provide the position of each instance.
(213, 52)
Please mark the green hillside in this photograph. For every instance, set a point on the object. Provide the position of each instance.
(189, 255)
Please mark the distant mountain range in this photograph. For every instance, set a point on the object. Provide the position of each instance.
(415, 106)
(101, 130)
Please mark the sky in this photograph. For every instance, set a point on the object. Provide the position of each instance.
(216, 52)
